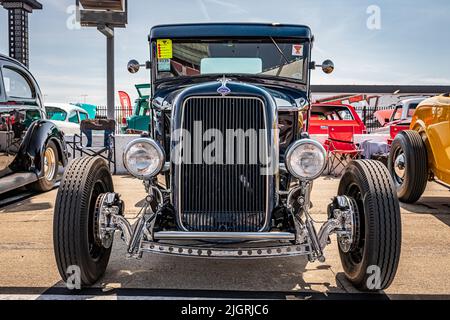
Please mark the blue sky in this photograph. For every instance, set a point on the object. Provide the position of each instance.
(412, 45)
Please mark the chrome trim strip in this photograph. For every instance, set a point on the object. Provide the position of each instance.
(290, 109)
(182, 235)
(227, 253)
(266, 222)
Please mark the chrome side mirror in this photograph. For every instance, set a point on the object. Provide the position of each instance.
(133, 66)
(327, 66)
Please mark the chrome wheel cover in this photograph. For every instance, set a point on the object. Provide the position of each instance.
(49, 164)
(400, 166)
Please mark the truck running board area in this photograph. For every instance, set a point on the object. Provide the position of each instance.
(226, 253)
(242, 236)
(16, 180)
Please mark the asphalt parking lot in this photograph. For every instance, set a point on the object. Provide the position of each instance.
(28, 269)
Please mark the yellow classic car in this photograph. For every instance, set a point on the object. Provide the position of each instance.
(422, 153)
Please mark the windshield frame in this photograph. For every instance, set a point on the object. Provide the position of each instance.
(289, 82)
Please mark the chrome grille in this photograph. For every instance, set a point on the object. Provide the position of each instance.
(223, 197)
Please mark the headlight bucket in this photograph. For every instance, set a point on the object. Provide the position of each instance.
(306, 159)
(143, 158)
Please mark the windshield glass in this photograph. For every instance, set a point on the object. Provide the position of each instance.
(412, 108)
(331, 113)
(143, 90)
(55, 113)
(262, 57)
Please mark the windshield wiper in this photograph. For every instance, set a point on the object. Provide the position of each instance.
(279, 50)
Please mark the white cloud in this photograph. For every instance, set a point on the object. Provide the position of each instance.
(60, 5)
(204, 10)
(233, 7)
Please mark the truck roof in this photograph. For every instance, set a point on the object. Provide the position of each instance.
(226, 30)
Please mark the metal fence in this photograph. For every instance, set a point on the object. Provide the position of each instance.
(366, 113)
(121, 114)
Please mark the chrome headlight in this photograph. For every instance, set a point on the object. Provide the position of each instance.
(306, 159)
(143, 158)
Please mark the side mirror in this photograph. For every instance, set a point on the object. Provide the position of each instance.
(327, 66)
(133, 66)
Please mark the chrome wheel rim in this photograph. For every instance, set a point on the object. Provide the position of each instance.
(400, 166)
(49, 164)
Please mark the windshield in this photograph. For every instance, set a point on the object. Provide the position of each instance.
(262, 57)
(143, 90)
(55, 113)
(398, 113)
(411, 109)
(331, 113)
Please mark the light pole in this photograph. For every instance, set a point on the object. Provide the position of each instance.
(18, 34)
(105, 16)
(84, 96)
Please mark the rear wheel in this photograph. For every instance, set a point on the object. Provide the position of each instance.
(408, 165)
(372, 261)
(75, 236)
(50, 169)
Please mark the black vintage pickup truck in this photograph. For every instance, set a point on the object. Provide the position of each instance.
(229, 165)
(32, 149)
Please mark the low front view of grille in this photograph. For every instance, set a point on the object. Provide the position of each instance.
(231, 195)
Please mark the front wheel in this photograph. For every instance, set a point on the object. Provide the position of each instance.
(75, 236)
(371, 263)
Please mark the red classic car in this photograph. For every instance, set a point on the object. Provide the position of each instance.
(325, 115)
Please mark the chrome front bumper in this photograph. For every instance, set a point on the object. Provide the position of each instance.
(142, 238)
(205, 251)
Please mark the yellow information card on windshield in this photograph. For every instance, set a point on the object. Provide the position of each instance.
(164, 48)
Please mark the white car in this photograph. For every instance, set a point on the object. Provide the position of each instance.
(67, 117)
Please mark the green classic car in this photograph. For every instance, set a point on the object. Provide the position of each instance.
(140, 120)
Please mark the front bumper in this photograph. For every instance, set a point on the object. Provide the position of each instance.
(144, 237)
(236, 251)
